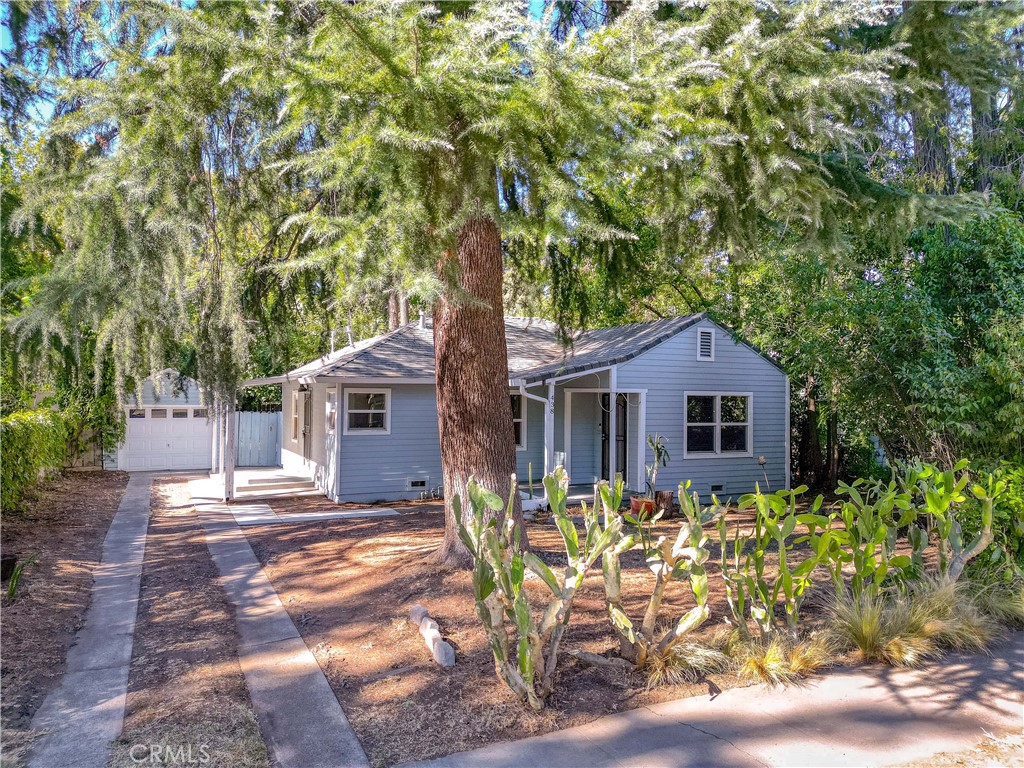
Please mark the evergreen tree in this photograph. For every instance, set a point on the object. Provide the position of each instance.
(428, 141)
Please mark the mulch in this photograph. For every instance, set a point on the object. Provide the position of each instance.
(62, 527)
(348, 586)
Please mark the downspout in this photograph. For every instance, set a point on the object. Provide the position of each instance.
(549, 421)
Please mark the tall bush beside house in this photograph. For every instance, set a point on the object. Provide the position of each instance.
(32, 444)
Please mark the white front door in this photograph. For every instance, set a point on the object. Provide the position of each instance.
(166, 437)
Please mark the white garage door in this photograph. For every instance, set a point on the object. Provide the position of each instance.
(167, 437)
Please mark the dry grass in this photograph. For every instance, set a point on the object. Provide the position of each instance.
(1004, 602)
(906, 629)
(689, 662)
(782, 660)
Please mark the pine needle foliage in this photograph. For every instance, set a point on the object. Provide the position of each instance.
(219, 158)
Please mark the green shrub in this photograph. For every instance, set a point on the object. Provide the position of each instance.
(32, 445)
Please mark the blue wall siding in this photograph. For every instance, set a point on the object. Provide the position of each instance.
(377, 467)
(672, 368)
(534, 441)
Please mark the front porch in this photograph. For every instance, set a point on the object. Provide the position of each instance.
(587, 424)
(268, 483)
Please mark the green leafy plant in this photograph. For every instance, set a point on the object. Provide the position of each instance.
(748, 590)
(19, 568)
(32, 445)
(679, 560)
(871, 517)
(527, 664)
(661, 459)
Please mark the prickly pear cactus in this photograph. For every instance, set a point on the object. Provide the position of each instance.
(499, 571)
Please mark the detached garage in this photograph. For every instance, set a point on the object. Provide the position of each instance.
(174, 433)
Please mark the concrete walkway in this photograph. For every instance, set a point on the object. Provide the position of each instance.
(301, 720)
(867, 716)
(84, 715)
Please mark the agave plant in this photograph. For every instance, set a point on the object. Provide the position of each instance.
(499, 572)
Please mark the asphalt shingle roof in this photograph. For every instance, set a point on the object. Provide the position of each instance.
(534, 352)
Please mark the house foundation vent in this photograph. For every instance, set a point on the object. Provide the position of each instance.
(417, 483)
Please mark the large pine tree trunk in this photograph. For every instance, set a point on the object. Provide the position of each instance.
(473, 412)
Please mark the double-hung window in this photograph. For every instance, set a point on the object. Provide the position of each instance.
(331, 409)
(367, 411)
(518, 421)
(718, 424)
(295, 417)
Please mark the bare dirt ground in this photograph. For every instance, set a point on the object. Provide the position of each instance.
(63, 527)
(187, 700)
(348, 586)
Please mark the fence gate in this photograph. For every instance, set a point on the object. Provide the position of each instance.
(257, 439)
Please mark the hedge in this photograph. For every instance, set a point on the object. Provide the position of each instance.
(32, 444)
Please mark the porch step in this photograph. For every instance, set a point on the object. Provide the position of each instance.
(296, 487)
(277, 480)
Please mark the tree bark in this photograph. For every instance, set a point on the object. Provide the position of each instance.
(473, 412)
(393, 310)
(832, 452)
(812, 463)
(984, 122)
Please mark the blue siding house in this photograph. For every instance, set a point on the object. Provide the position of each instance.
(362, 422)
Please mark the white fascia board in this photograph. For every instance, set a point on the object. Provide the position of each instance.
(368, 380)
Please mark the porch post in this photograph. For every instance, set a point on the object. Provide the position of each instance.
(214, 436)
(613, 408)
(229, 450)
(549, 430)
(641, 439)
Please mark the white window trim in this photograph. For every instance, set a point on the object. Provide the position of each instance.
(718, 454)
(701, 330)
(522, 419)
(296, 428)
(327, 410)
(387, 411)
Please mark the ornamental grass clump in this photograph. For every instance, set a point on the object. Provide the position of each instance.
(906, 628)
(526, 650)
(781, 660)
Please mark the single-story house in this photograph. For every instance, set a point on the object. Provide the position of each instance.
(362, 421)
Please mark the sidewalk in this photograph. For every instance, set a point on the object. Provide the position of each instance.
(868, 716)
(84, 715)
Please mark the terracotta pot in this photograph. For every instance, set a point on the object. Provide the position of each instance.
(641, 506)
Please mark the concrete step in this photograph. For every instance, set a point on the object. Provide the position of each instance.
(285, 489)
(277, 479)
(243, 492)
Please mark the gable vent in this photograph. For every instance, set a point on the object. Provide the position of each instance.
(705, 344)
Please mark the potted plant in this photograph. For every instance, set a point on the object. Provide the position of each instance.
(641, 506)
